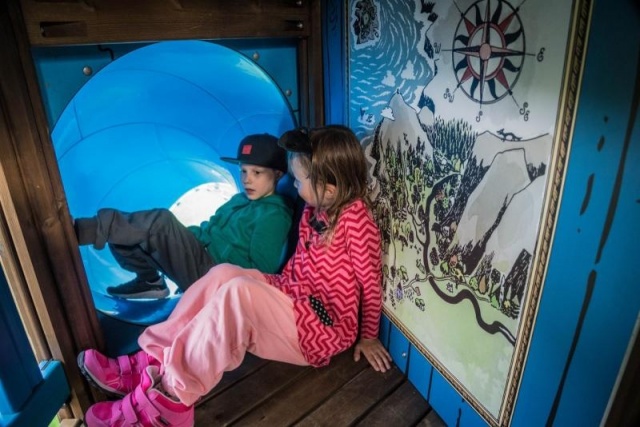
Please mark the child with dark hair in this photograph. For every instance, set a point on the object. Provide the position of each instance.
(327, 297)
(250, 230)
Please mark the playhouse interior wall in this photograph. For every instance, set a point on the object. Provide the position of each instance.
(589, 302)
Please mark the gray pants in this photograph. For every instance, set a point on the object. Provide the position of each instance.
(146, 242)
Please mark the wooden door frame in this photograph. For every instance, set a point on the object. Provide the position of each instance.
(40, 255)
(38, 247)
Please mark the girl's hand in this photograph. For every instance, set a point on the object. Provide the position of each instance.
(375, 353)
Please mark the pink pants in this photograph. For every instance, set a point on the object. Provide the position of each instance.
(226, 313)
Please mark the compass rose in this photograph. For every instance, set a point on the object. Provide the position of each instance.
(488, 51)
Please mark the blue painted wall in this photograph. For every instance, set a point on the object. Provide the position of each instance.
(590, 300)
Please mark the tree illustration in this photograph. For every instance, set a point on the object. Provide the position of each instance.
(423, 188)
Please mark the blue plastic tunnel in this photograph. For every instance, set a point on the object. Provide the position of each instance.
(148, 131)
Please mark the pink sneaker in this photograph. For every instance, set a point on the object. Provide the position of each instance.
(146, 406)
(114, 376)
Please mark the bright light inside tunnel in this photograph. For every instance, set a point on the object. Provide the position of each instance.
(148, 131)
(199, 203)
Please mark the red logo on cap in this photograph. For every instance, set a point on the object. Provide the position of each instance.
(246, 149)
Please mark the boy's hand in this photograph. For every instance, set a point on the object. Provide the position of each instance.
(375, 353)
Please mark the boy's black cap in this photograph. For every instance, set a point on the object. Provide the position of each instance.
(260, 150)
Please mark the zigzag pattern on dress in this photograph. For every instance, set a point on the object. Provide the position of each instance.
(341, 275)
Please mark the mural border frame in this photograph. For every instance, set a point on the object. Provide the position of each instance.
(574, 63)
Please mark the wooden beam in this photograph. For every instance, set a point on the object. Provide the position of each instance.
(34, 206)
(109, 21)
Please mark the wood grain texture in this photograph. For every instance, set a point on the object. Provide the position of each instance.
(103, 21)
(344, 393)
(404, 407)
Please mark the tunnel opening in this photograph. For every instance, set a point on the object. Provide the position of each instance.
(148, 130)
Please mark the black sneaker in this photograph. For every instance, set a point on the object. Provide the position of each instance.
(140, 289)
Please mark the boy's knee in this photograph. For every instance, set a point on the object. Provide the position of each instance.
(164, 215)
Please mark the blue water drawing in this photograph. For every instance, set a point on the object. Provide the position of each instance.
(389, 54)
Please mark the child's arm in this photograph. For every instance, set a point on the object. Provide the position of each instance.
(374, 351)
(363, 240)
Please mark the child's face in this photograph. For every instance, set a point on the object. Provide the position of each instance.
(305, 188)
(258, 181)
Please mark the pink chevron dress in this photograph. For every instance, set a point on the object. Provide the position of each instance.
(340, 276)
(303, 316)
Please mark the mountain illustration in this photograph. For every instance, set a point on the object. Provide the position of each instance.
(487, 145)
(514, 233)
(492, 194)
(405, 121)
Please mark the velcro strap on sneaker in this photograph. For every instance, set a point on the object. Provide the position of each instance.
(128, 410)
(142, 359)
(144, 403)
(125, 371)
(125, 365)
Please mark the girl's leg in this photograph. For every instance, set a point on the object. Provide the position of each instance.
(243, 314)
(192, 301)
(121, 375)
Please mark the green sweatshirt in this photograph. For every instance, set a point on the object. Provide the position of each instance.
(248, 233)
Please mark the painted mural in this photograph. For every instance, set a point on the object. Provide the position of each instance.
(459, 106)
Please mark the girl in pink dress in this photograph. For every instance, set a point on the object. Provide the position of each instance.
(304, 316)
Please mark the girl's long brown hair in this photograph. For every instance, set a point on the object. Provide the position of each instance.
(331, 155)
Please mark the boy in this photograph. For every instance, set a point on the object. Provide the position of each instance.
(249, 230)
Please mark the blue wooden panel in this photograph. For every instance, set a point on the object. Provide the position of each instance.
(469, 417)
(399, 348)
(445, 400)
(45, 402)
(385, 330)
(60, 69)
(334, 60)
(19, 372)
(420, 372)
(278, 58)
(591, 299)
(436, 390)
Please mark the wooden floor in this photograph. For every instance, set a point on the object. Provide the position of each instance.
(345, 393)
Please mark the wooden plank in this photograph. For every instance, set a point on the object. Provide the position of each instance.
(431, 420)
(355, 399)
(19, 288)
(404, 407)
(306, 394)
(249, 365)
(235, 402)
(103, 21)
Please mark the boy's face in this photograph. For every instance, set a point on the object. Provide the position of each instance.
(258, 181)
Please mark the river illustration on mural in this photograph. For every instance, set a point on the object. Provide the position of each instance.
(459, 141)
